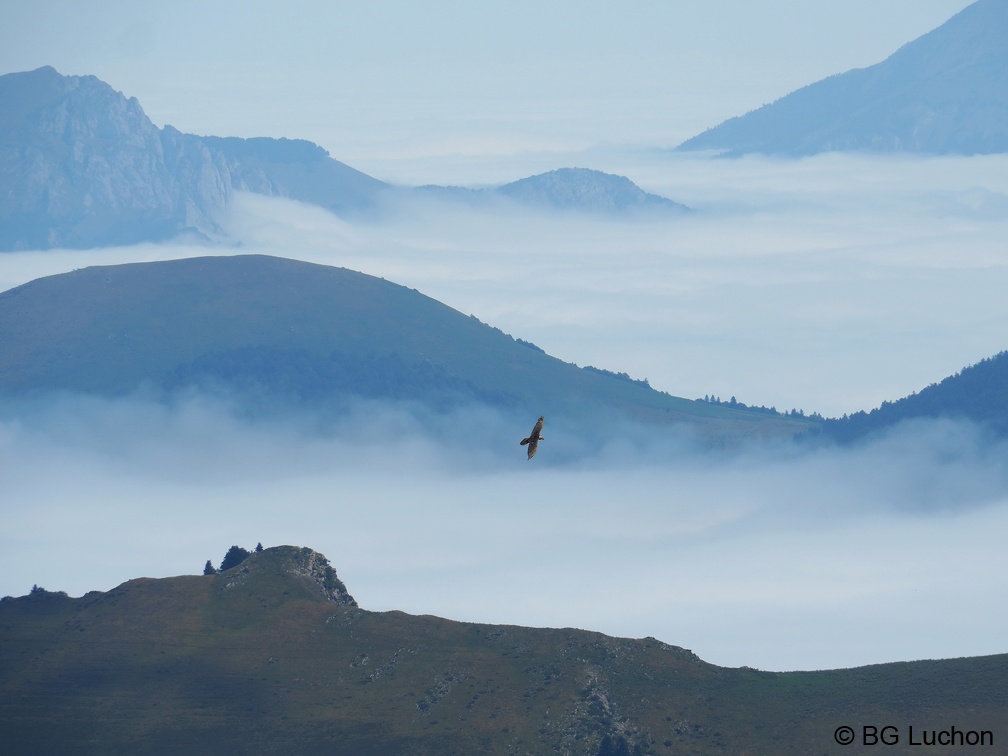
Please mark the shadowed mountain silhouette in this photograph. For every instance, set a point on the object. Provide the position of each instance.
(978, 393)
(943, 93)
(281, 330)
(85, 167)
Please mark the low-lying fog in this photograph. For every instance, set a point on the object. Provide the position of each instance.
(779, 558)
(828, 284)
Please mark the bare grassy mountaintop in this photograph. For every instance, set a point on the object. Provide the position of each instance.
(280, 330)
(262, 658)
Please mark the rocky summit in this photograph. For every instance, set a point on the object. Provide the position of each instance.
(84, 165)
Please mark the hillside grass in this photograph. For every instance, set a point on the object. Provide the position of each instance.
(254, 659)
(290, 331)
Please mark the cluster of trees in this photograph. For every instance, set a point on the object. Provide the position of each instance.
(978, 393)
(711, 399)
(234, 556)
(38, 590)
(618, 376)
(530, 345)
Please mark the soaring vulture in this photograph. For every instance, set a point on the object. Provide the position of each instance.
(533, 439)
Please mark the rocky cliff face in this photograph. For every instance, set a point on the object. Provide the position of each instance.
(314, 570)
(84, 166)
(308, 567)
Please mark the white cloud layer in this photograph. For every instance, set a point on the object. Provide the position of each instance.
(828, 284)
(785, 558)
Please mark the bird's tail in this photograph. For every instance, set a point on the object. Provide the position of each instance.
(525, 441)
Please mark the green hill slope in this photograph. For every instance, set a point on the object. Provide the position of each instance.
(262, 658)
(284, 330)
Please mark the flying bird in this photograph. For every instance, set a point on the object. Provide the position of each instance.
(534, 438)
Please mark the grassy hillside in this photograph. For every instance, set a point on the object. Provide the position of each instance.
(283, 329)
(260, 659)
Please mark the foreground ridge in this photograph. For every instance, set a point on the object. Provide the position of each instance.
(274, 655)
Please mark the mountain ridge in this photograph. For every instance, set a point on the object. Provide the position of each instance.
(84, 163)
(306, 334)
(941, 93)
(257, 658)
(978, 393)
(86, 167)
(280, 332)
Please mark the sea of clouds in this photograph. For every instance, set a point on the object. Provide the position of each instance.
(827, 284)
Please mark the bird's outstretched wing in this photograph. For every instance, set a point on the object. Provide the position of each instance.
(534, 438)
(533, 446)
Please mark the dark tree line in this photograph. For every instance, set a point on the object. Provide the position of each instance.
(978, 393)
(234, 556)
(735, 404)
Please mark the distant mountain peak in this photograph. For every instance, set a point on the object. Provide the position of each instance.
(942, 93)
(584, 189)
(84, 166)
(569, 189)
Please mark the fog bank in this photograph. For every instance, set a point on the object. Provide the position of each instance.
(785, 558)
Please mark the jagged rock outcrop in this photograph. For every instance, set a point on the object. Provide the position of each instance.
(311, 569)
(83, 165)
(314, 569)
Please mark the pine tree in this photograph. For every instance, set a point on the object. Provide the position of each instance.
(235, 556)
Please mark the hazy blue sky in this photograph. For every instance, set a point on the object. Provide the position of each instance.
(370, 81)
(830, 284)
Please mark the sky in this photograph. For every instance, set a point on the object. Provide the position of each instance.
(382, 84)
(828, 284)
